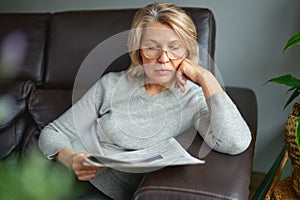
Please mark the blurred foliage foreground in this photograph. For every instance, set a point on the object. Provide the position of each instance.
(34, 178)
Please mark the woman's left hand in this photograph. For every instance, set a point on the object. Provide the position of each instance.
(187, 71)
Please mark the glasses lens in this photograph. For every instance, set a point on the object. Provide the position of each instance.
(172, 53)
(152, 53)
(176, 53)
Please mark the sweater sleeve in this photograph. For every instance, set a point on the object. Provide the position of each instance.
(62, 132)
(221, 125)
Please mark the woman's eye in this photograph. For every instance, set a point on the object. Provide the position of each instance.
(175, 48)
(152, 47)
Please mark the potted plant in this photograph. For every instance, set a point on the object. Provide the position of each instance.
(292, 126)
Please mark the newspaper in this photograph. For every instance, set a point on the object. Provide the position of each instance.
(163, 154)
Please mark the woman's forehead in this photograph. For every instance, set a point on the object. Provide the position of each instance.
(157, 32)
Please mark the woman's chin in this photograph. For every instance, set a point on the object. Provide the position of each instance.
(164, 81)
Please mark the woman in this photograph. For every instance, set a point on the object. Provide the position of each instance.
(157, 98)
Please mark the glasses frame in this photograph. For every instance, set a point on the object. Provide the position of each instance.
(161, 52)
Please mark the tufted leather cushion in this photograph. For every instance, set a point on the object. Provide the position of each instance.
(13, 121)
(73, 36)
(47, 105)
(12, 102)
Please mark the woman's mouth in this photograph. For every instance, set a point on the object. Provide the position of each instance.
(163, 72)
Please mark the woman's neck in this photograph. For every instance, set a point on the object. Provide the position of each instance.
(153, 88)
(156, 88)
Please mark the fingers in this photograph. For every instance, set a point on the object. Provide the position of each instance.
(83, 172)
(181, 81)
(85, 175)
(189, 70)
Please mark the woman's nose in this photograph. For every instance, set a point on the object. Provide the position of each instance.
(163, 58)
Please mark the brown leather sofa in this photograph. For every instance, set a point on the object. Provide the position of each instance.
(56, 45)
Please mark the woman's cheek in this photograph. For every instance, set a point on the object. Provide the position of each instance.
(177, 63)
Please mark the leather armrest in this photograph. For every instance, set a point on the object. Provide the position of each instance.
(221, 177)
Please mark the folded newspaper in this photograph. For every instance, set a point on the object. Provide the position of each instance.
(166, 153)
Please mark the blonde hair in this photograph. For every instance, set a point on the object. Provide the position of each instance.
(168, 14)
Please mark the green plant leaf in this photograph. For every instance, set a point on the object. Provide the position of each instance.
(288, 80)
(34, 178)
(289, 90)
(298, 132)
(292, 97)
(294, 40)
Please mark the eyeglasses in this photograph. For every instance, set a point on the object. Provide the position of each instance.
(173, 53)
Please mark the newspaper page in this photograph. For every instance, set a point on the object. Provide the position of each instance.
(166, 153)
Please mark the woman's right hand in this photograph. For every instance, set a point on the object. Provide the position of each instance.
(82, 171)
(75, 162)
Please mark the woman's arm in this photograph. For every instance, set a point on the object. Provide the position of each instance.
(65, 131)
(57, 139)
(65, 156)
(218, 120)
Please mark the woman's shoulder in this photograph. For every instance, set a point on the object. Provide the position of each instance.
(111, 77)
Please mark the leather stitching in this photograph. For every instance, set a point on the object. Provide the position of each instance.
(14, 133)
(28, 138)
(186, 190)
(24, 94)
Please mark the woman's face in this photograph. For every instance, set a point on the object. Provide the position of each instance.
(161, 53)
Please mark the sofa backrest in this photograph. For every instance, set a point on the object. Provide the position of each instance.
(23, 39)
(73, 35)
(57, 44)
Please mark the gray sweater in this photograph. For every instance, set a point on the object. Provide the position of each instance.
(117, 114)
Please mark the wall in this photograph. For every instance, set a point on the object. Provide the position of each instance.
(250, 37)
